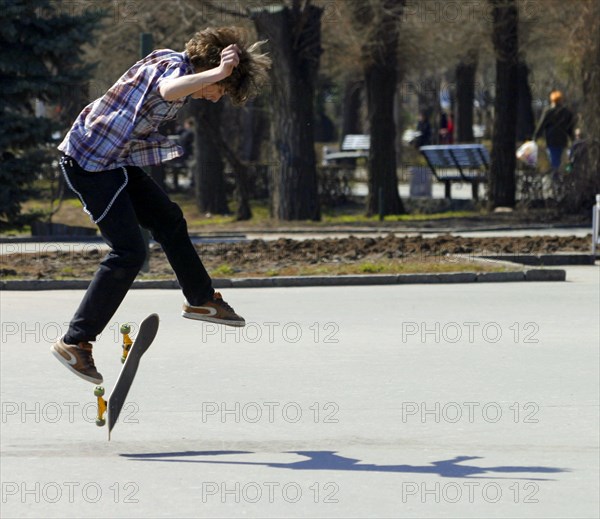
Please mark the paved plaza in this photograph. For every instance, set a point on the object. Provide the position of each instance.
(393, 401)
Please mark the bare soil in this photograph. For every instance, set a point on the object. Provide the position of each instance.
(304, 257)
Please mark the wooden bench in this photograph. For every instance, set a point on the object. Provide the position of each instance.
(458, 163)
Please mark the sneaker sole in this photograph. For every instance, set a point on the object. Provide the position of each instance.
(198, 317)
(68, 366)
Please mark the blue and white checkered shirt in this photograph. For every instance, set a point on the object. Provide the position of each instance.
(121, 127)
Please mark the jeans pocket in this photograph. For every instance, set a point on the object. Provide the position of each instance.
(96, 190)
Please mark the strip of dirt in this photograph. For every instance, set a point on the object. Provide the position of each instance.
(304, 257)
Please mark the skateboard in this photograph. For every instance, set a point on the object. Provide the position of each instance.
(132, 353)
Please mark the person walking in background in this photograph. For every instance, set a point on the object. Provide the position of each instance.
(556, 124)
(446, 128)
(424, 131)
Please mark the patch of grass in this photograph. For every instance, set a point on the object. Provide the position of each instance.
(371, 268)
(260, 213)
(361, 218)
(389, 267)
(223, 270)
(351, 215)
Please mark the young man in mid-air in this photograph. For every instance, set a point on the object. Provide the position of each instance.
(112, 139)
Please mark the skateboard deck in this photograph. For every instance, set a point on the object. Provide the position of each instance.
(132, 354)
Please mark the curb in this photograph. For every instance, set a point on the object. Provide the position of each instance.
(557, 259)
(312, 281)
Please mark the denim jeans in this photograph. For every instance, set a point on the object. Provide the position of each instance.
(119, 201)
(555, 156)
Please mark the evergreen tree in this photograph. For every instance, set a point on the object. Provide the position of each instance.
(40, 64)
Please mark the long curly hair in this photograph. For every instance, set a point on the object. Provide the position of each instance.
(251, 74)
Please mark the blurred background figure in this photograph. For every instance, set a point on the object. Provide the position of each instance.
(446, 128)
(423, 137)
(183, 166)
(556, 124)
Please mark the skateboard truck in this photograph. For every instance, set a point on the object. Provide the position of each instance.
(99, 393)
(127, 342)
(99, 390)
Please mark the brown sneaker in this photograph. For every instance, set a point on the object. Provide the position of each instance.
(215, 311)
(78, 358)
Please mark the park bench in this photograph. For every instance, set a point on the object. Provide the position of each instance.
(458, 163)
(353, 147)
(338, 168)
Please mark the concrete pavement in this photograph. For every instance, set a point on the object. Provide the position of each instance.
(395, 401)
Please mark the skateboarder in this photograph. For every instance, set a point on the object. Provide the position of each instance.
(112, 139)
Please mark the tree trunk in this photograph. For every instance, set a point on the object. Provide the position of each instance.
(254, 126)
(399, 123)
(380, 83)
(295, 36)
(380, 56)
(586, 174)
(506, 46)
(209, 179)
(465, 94)
(240, 171)
(525, 118)
(351, 103)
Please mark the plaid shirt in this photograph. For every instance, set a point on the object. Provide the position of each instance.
(121, 127)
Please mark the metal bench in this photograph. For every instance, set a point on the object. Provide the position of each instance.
(458, 163)
(353, 147)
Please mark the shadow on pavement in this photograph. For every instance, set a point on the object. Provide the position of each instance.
(329, 460)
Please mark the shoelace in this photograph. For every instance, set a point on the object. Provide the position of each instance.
(219, 299)
(87, 347)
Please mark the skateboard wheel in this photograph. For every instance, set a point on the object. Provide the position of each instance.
(125, 328)
(98, 391)
(100, 422)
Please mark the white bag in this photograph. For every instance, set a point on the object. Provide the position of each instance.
(528, 153)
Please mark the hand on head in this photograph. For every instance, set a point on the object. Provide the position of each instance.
(230, 58)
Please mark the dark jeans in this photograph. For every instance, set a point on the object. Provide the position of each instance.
(555, 154)
(140, 202)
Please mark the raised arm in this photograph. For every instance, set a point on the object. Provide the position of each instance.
(176, 88)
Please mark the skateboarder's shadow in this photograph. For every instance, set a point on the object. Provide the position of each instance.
(329, 460)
